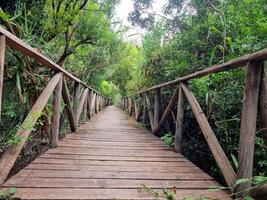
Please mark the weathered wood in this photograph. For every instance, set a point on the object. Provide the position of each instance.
(76, 97)
(81, 105)
(89, 99)
(67, 101)
(130, 106)
(263, 105)
(93, 101)
(214, 145)
(136, 109)
(167, 112)
(9, 157)
(2, 63)
(91, 169)
(179, 121)
(150, 111)
(248, 123)
(56, 113)
(84, 111)
(19, 45)
(96, 103)
(234, 63)
(157, 106)
(144, 117)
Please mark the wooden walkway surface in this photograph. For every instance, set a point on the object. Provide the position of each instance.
(110, 157)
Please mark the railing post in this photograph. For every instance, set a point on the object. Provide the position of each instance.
(76, 98)
(150, 111)
(263, 104)
(2, 63)
(157, 107)
(68, 109)
(179, 121)
(144, 117)
(56, 114)
(248, 124)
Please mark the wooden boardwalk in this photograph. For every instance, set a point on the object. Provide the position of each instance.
(110, 157)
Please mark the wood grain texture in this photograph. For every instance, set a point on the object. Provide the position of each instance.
(263, 104)
(112, 163)
(68, 107)
(179, 121)
(248, 123)
(150, 111)
(214, 145)
(56, 113)
(9, 157)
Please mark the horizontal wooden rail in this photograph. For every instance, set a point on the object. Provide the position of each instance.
(254, 95)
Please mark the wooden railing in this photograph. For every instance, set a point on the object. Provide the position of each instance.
(255, 93)
(85, 100)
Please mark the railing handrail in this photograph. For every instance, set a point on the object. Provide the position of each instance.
(226, 66)
(19, 45)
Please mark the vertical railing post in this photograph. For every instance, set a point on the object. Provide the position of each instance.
(76, 98)
(248, 124)
(150, 111)
(157, 106)
(2, 63)
(263, 105)
(144, 117)
(56, 113)
(179, 121)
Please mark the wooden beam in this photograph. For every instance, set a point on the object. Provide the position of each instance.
(157, 106)
(81, 105)
(232, 64)
(67, 101)
(167, 112)
(56, 113)
(214, 145)
(150, 111)
(263, 105)
(179, 121)
(92, 111)
(76, 98)
(144, 117)
(10, 155)
(89, 99)
(2, 63)
(248, 124)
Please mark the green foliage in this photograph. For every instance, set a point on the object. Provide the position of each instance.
(7, 194)
(168, 139)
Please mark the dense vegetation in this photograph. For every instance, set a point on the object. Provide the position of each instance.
(84, 37)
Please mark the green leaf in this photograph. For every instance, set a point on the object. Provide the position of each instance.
(241, 180)
(234, 160)
(248, 198)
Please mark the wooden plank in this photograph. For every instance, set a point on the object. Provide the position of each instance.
(167, 112)
(56, 113)
(92, 111)
(10, 155)
(41, 160)
(157, 106)
(150, 111)
(104, 194)
(69, 111)
(2, 64)
(214, 145)
(89, 99)
(113, 175)
(248, 123)
(179, 121)
(121, 158)
(107, 183)
(78, 167)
